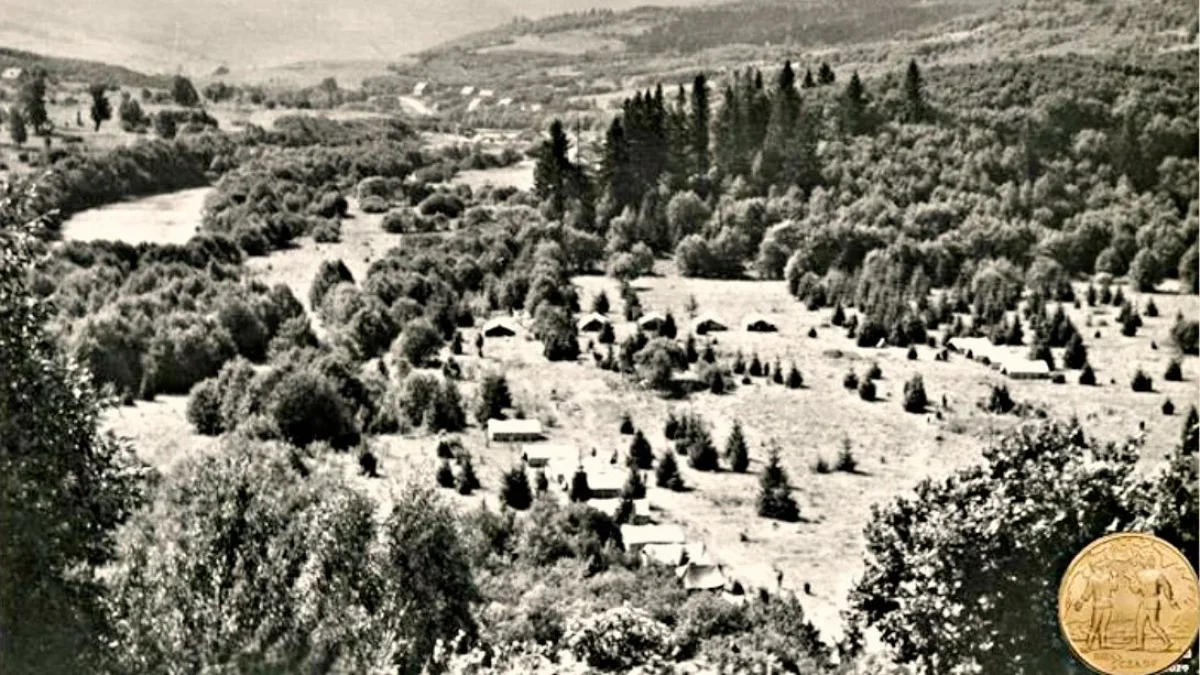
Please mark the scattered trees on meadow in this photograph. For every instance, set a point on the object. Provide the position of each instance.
(774, 492)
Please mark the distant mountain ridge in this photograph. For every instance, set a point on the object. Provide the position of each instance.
(79, 70)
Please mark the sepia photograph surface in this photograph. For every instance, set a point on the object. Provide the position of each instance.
(495, 337)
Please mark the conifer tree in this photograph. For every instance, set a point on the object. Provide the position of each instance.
(914, 93)
(640, 453)
(854, 107)
(666, 474)
(736, 452)
(515, 491)
(809, 82)
(551, 173)
(580, 491)
(825, 74)
(635, 487)
(467, 481)
(699, 124)
(774, 494)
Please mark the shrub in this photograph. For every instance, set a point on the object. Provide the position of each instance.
(330, 205)
(794, 379)
(874, 372)
(1174, 371)
(306, 407)
(448, 413)
(1168, 408)
(777, 374)
(914, 395)
(999, 400)
(846, 461)
(736, 452)
(368, 464)
(1142, 382)
(812, 332)
(466, 482)
(494, 398)
(373, 204)
(689, 349)
(449, 448)
(671, 427)
(1185, 335)
(580, 491)
(441, 203)
(739, 364)
(515, 489)
(866, 390)
(1075, 355)
(1151, 308)
(911, 355)
(839, 315)
(419, 342)
(618, 639)
(640, 453)
(850, 380)
(635, 487)
(697, 443)
(821, 466)
(204, 408)
(600, 304)
(756, 367)
(329, 274)
(627, 427)
(542, 483)
(1087, 376)
(445, 475)
(774, 496)
(666, 474)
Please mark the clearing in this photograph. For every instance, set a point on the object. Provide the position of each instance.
(171, 218)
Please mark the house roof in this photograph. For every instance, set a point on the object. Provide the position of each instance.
(709, 320)
(640, 535)
(502, 322)
(1026, 367)
(467, 90)
(550, 452)
(591, 318)
(754, 319)
(673, 554)
(650, 317)
(701, 577)
(640, 506)
(524, 427)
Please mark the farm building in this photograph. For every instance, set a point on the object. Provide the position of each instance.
(677, 554)
(606, 484)
(10, 74)
(499, 327)
(486, 93)
(641, 508)
(651, 321)
(514, 431)
(758, 323)
(540, 455)
(700, 577)
(1019, 369)
(635, 537)
(592, 322)
(708, 324)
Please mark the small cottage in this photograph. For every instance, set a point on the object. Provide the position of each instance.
(499, 327)
(757, 323)
(514, 431)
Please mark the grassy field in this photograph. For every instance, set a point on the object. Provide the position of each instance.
(162, 219)
(582, 405)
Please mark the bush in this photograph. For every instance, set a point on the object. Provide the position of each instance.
(448, 413)
(441, 203)
(999, 400)
(911, 355)
(419, 342)
(914, 395)
(494, 398)
(449, 448)
(618, 639)
(515, 489)
(627, 427)
(1142, 382)
(600, 304)
(821, 466)
(445, 475)
(1168, 408)
(542, 483)
(794, 379)
(666, 474)
(635, 487)
(1185, 335)
(850, 380)
(777, 374)
(368, 464)
(580, 491)
(756, 367)
(874, 372)
(1174, 371)
(329, 274)
(306, 407)
(846, 461)
(1087, 376)
(467, 482)
(204, 408)
(1075, 355)
(373, 204)
(866, 390)
(641, 454)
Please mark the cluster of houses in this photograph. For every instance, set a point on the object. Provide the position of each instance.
(478, 96)
(702, 325)
(1010, 364)
(657, 544)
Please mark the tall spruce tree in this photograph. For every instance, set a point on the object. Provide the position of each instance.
(914, 94)
(553, 169)
(854, 107)
(700, 121)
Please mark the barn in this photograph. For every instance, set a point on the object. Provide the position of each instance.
(1018, 369)
(514, 431)
(708, 324)
(634, 537)
(592, 322)
(499, 327)
(757, 323)
(651, 321)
